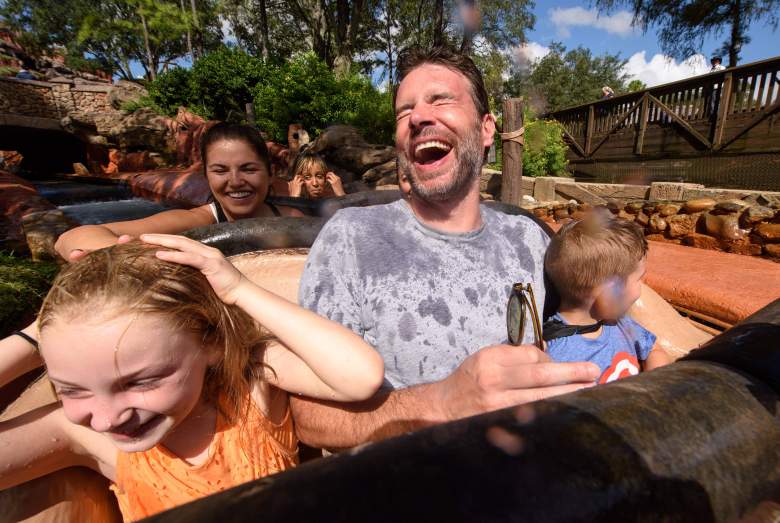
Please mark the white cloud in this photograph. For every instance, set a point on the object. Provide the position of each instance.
(525, 55)
(565, 18)
(228, 36)
(661, 69)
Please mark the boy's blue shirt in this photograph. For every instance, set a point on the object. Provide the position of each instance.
(617, 351)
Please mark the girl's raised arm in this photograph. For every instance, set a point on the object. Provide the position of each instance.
(42, 441)
(18, 355)
(317, 357)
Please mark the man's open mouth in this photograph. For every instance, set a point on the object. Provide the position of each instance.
(431, 152)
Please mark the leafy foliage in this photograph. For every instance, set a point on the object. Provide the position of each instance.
(304, 90)
(23, 284)
(566, 78)
(544, 153)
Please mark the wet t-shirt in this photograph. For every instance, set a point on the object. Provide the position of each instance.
(423, 298)
(617, 351)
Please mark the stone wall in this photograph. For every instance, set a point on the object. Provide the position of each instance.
(53, 99)
(739, 222)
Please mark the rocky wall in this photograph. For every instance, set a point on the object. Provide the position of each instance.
(28, 98)
(52, 99)
(749, 227)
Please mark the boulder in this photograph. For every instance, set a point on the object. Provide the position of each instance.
(699, 204)
(381, 171)
(757, 213)
(143, 129)
(769, 232)
(634, 207)
(657, 223)
(744, 247)
(125, 91)
(626, 215)
(731, 206)
(642, 219)
(772, 250)
(724, 226)
(668, 209)
(345, 147)
(681, 225)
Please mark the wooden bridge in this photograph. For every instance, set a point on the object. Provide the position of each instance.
(720, 129)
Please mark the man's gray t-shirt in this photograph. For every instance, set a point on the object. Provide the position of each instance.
(423, 298)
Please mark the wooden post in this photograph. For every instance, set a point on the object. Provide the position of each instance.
(589, 129)
(723, 110)
(512, 148)
(250, 114)
(640, 141)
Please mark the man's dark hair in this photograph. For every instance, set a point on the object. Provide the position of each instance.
(716, 59)
(413, 57)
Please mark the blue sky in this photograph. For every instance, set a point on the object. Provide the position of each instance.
(576, 23)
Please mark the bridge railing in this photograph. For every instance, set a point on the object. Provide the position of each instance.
(711, 112)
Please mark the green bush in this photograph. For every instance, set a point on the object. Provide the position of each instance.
(23, 285)
(544, 153)
(301, 90)
(305, 90)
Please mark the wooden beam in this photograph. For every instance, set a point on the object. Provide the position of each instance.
(755, 121)
(573, 191)
(723, 105)
(617, 124)
(574, 143)
(589, 130)
(640, 140)
(512, 169)
(685, 125)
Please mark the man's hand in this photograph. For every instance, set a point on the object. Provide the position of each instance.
(503, 375)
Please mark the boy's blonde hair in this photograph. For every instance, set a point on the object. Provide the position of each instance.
(586, 253)
(130, 278)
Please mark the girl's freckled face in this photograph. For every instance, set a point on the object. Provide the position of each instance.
(132, 377)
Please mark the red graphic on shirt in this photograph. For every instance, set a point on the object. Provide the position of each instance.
(623, 366)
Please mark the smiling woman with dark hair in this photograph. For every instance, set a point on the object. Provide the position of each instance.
(237, 167)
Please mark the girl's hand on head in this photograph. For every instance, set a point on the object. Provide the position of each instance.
(296, 186)
(224, 278)
(335, 183)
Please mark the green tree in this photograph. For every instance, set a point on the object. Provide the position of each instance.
(114, 33)
(566, 78)
(683, 24)
(636, 85)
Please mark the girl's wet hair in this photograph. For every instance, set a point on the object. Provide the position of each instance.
(238, 132)
(129, 278)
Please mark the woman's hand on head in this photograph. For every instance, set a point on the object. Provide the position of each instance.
(296, 186)
(335, 183)
(224, 278)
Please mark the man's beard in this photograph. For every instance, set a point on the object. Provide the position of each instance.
(468, 161)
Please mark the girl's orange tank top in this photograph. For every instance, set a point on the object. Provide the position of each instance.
(156, 480)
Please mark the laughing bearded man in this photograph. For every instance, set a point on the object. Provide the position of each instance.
(425, 280)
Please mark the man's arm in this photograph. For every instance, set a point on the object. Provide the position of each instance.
(492, 378)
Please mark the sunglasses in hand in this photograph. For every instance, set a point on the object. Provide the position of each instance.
(521, 305)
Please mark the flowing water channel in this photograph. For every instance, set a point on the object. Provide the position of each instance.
(96, 203)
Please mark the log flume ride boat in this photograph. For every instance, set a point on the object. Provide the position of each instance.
(696, 440)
